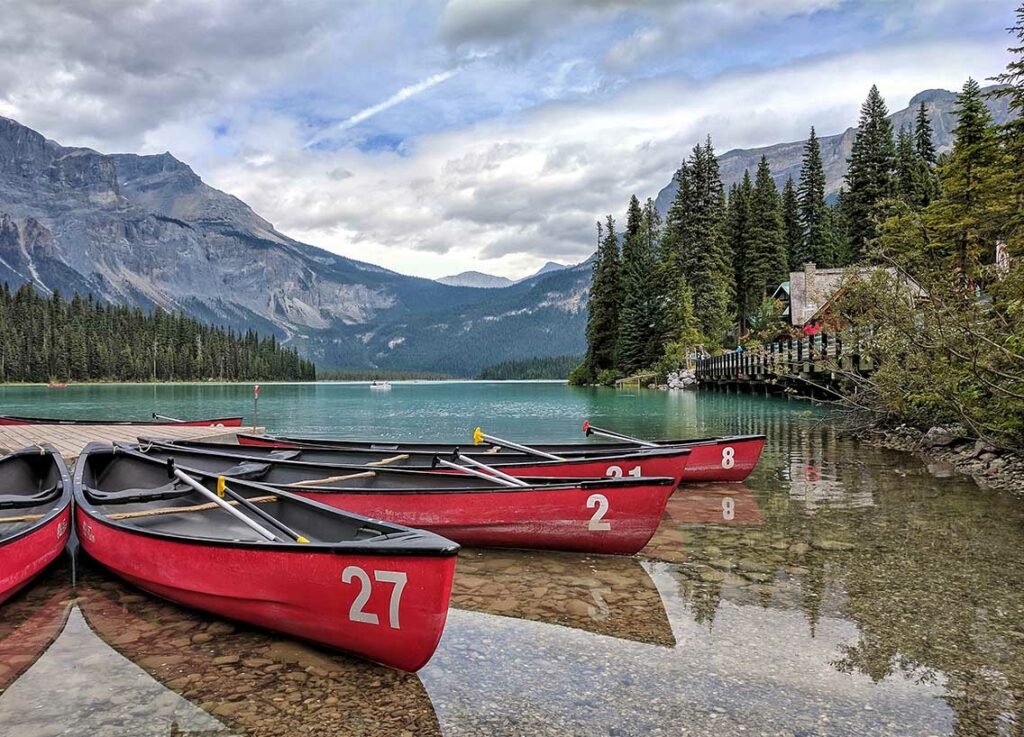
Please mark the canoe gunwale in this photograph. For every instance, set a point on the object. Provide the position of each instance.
(57, 507)
(399, 541)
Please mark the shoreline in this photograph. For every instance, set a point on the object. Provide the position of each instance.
(990, 467)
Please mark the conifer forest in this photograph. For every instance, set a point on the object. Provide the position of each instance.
(702, 281)
(47, 338)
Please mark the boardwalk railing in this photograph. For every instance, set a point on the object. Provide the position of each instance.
(816, 358)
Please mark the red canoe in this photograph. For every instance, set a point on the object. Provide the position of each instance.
(729, 458)
(598, 515)
(670, 462)
(215, 422)
(35, 517)
(371, 588)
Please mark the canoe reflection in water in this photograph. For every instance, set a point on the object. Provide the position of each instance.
(613, 596)
(250, 680)
(701, 506)
(30, 624)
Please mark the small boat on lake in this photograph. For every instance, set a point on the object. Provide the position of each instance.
(382, 386)
(156, 420)
(595, 515)
(35, 514)
(266, 556)
(728, 458)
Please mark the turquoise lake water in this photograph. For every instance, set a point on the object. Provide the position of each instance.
(840, 590)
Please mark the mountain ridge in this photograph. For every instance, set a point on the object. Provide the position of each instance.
(146, 230)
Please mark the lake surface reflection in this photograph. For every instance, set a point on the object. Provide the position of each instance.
(841, 590)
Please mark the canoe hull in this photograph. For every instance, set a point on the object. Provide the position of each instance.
(611, 520)
(710, 460)
(26, 557)
(215, 422)
(387, 608)
(728, 459)
(634, 465)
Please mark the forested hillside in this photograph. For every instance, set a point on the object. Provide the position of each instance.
(49, 338)
(554, 367)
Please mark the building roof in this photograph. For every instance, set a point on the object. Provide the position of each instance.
(806, 303)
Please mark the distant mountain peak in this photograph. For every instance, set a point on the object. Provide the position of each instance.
(476, 279)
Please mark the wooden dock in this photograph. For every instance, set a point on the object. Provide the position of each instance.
(71, 439)
(810, 366)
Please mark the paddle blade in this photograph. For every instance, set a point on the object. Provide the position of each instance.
(478, 436)
(586, 427)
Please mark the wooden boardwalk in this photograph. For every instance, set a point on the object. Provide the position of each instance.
(71, 439)
(805, 365)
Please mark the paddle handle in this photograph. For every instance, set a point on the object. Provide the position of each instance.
(474, 472)
(252, 524)
(591, 430)
(490, 469)
(165, 417)
(516, 446)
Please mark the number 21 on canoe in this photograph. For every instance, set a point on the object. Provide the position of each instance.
(372, 588)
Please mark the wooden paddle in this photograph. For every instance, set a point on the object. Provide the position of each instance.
(332, 479)
(176, 510)
(22, 518)
(392, 459)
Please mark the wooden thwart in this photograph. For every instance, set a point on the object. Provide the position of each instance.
(22, 518)
(332, 479)
(176, 510)
(392, 459)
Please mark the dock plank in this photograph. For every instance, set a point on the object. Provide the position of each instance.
(71, 439)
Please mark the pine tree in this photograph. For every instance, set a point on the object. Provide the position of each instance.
(639, 336)
(791, 223)
(817, 241)
(870, 174)
(1012, 134)
(966, 218)
(766, 265)
(906, 179)
(695, 240)
(924, 142)
(605, 298)
(737, 230)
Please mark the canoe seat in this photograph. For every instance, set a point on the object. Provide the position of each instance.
(247, 471)
(170, 490)
(14, 501)
(284, 455)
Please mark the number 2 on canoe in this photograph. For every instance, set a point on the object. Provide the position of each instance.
(615, 472)
(357, 614)
(597, 521)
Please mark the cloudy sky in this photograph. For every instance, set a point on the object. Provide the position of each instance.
(433, 137)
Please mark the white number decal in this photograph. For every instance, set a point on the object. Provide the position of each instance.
(597, 521)
(614, 471)
(635, 473)
(62, 529)
(728, 508)
(728, 457)
(397, 579)
(356, 613)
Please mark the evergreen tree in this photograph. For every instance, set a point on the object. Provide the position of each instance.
(640, 330)
(605, 298)
(817, 240)
(766, 265)
(791, 224)
(695, 240)
(966, 219)
(870, 174)
(1012, 134)
(924, 142)
(906, 179)
(738, 226)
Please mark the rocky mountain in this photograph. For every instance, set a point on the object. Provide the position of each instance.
(146, 230)
(547, 268)
(476, 279)
(785, 158)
